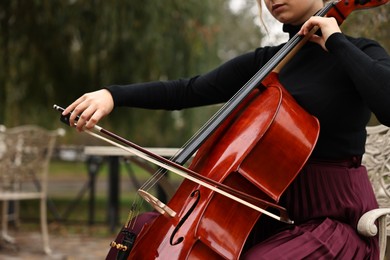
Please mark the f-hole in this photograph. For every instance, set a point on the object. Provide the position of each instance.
(195, 194)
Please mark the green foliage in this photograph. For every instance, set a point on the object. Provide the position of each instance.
(371, 23)
(54, 51)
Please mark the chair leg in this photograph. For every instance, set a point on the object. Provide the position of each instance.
(13, 213)
(44, 227)
(4, 224)
(16, 213)
(382, 236)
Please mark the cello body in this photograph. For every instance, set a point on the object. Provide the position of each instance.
(278, 135)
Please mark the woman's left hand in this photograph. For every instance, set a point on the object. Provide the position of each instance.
(327, 25)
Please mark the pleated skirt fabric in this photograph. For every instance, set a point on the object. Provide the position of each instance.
(325, 201)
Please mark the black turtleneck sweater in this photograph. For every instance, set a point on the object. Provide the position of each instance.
(340, 87)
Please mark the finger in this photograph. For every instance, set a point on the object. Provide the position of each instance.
(309, 27)
(72, 106)
(94, 119)
(84, 113)
(316, 39)
(310, 24)
(306, 28)
(75, 115)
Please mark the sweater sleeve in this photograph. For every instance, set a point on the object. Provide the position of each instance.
(214, 87)
(368, 65)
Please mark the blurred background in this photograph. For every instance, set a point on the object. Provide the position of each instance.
(53, 51)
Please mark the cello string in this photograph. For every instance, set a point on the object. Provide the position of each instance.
(221, 114)
(249, 86)
(239, 96)
(243, 92)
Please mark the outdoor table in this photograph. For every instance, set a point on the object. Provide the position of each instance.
(113, 155)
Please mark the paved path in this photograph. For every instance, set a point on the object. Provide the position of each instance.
(64, 247)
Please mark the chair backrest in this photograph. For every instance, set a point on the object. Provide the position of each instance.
(25, 153)
(377, 161)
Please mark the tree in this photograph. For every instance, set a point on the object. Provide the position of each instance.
(53, 51)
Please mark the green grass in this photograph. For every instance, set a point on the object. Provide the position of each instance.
(79, 214)
(64, 169)
(65, 181)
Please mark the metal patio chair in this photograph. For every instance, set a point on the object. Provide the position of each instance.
(25, 154)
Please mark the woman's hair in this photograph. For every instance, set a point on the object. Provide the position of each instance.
(260, 6)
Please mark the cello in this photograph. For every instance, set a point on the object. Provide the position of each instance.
(241, 154)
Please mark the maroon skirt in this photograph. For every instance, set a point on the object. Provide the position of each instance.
(325, 201)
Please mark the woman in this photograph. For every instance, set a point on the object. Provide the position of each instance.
(335, 78)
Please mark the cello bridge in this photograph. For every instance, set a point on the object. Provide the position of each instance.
(157, 204)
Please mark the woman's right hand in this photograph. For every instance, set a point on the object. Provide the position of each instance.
(91, 107)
